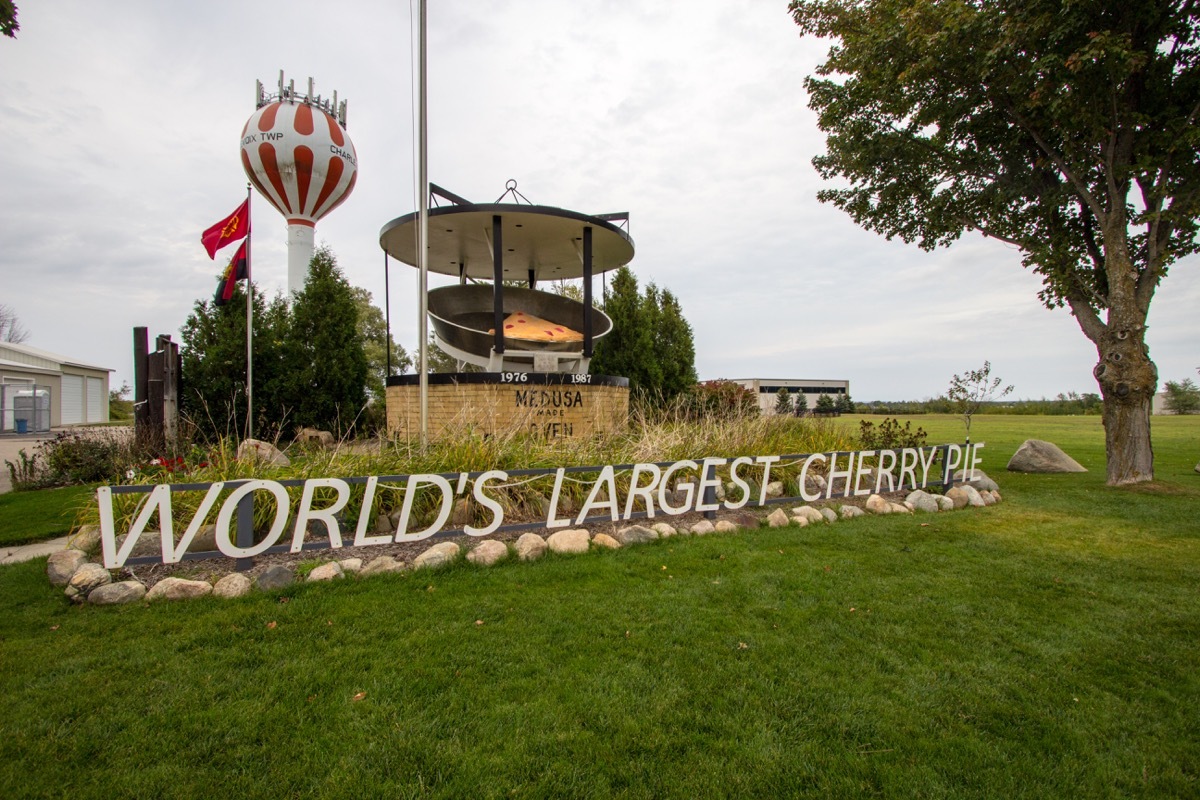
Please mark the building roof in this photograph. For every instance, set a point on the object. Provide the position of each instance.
(44, 355)
(17, 366)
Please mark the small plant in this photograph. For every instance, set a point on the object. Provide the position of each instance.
(969, 391)
(28, 473)
(889, 435)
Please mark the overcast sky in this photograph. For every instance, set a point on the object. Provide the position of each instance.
(119, 131)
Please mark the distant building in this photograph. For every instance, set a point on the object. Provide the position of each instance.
(800, 389)
(34, 383)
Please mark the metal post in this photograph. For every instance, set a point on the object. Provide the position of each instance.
(710, 492)
(249, 327)
(498, 284)
(245, 530)
(587, 292)
(423, 221)
(387, 319)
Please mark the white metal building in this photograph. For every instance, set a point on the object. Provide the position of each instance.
(78, 392)
(801, 389)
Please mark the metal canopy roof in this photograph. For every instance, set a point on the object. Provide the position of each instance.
(546, 240)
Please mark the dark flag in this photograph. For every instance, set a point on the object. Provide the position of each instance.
(235, 226)
(238, 270)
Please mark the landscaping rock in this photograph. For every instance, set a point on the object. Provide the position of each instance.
(802, 521)
(996, 495)
(922, 501)
(964, 495)
(634, 534)
(850, 512)
(314, 436)
(775, 489)
(944, 503)
(381, 564)
(178, 589)
(383, 524)
(604, 540)
(1035, 455)
(461, 514)
(530, 547)
(664, 530)
(255, 450)
(437, 556)
(981, 481)
(87, 539)
(88, 577)
(725, 526)
(744, 519)
(205, 540)
(809, 513)
(898, 508)
(62, 565)
(235, 584)
(326, 572)
(989, 499)
(112, 594)
(572, 541)
(276, 576)
(877, 505)
(778, 518)
(704, 527)
(829, 514)
(351, 566)
(149, 543)
(487, 553)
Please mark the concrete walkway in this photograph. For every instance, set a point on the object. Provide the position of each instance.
(10, 446)
(28, 552)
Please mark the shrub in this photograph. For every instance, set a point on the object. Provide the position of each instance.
(721, 399)
(889, 435)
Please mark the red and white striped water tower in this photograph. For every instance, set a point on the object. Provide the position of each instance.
(296, 152)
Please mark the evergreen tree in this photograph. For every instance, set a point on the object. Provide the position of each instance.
(628, 349)
(825, 405)
(674, 346)
(844, 404)
(213, 365)
(329, 375)
(783, 402)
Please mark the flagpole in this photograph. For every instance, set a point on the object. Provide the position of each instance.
(423, 225)
(249, 327)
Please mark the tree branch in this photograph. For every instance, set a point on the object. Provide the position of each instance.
(1085, 194)
(1089, 321)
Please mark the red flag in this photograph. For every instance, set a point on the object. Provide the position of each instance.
(230, 229)
(238, 270)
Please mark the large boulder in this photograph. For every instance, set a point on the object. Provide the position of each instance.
(530, 547)
(276, 576)
(255, 450)
(635, 534)
(488, 552)
(327, 572)
(314, 436)
(112, 594)
(574, 540)
(1035, 455)
(980, 480)
(178, 589)
(62, 565)
(965, 495)
(877, 505)
(437, 556)
(87, 539)
(380, 565)
(88, 577)
(922, 501)
(235, 584)
(779, 519)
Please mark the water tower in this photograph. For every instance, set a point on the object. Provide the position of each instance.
(296, 152)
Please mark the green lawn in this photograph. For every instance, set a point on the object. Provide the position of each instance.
(1043, 647)
(35, 516)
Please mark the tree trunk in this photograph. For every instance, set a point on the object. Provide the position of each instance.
(1128, 380)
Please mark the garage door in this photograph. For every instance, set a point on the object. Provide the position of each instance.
(72, 399)
(95, 400)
